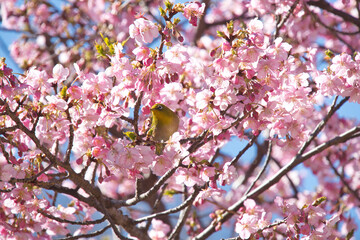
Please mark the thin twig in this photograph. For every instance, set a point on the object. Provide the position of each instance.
(250, 143)
(151, 191)
(137, 186)
(172, 210)
(184, 214)
(267, 160)
(136, 113)
(88, 235)
(281, 24)
(334, 107)
(71, 137)
(181, 221)
(7, 129)
(343, 180)
(156, 204)
(109, 218)
(256, 162)
(36, 121)
(61, 220)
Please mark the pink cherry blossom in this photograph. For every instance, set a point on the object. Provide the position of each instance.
(143, 31)
(193, 11)
(141, 53)
(188, 177)
(207, 173)
(229, 174)
(246, 226)
(203, 99)
(159, 230)
(59, 74)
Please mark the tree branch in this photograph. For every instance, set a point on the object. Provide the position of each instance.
(268, 157)
(326, 6)
(88, 235)
(280, 24)
(250, 143)
(353, 192)
(187, 202)
(299, 158)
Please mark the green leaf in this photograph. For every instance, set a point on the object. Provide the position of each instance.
(125, 41)
(329, 53)
(176, 21)
(318, 201)
(63, 92)
(168, 4)
(221, 34)
(130, 135)
(162, 12)
(350, 235)
(100, 49)
(170, 192)
(230, 27)
(105, 49)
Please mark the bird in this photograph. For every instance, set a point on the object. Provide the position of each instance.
(164, 122)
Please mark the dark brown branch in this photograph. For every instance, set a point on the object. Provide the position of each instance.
(187, 202)
(136, 113)
(88, 235)
(281, 23)
(7, 129)
(353, 192)
(61, 220)
(182, 218)
(250, 143)
(71, 137)
(151, 191)
(36, 121)
(202, 25)
(292, 184)
(327, 6)
(267, 160)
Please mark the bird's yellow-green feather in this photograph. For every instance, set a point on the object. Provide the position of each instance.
(164, 123)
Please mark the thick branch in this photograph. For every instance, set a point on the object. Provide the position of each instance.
(327, 6)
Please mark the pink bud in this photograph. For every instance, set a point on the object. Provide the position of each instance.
(249, 73)
(226, 46)
(218, 226)
(79, 160)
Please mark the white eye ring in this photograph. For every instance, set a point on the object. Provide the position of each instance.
(159, 107)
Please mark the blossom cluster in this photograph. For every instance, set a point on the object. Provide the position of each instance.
(76, 125)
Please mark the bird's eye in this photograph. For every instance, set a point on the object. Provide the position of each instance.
(160, 107)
